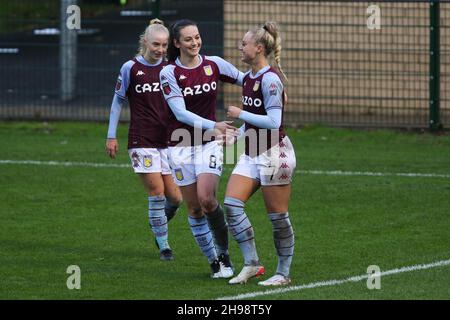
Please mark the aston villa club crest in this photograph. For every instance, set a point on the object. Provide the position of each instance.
(256, 86)
(147, 161)
(179, 174)
(208, 70)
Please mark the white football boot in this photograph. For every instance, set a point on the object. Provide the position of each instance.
(246, 273)
(226, 267)
(276, 280)
(220, 271)
(216, 269)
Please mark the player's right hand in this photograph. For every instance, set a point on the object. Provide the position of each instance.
(223, 126)
(112, 146)
(233, 112)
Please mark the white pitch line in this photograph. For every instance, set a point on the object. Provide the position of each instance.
(65, 164)
(312, 172)
(335, 282)
(374, 174)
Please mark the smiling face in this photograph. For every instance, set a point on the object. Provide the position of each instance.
(189, 41)
(156, 45)
(249, 49)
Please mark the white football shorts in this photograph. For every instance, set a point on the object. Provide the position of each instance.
(188, 162)
(276, 166)
(149, 160)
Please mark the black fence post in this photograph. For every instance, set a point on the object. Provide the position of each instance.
(434, 81)
(157, 9)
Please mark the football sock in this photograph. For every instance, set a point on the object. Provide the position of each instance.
(158, 220)
(219, 229)
(241, 229)
(283, 237)
(170, 210)
(203, 237)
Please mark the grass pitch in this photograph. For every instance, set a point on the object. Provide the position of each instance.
(54, 216)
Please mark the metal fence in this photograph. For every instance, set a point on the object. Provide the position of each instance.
(343, 68)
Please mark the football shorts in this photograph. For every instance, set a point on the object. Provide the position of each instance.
(188, 162)
(149, 160)
(276, 166)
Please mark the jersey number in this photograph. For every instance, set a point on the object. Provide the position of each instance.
(212, 161)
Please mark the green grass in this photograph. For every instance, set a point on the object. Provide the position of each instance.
(96, 218)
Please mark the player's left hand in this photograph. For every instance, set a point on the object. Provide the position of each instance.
(112, 147)
(233, 112)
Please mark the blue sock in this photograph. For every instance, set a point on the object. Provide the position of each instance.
(158, 220)
(241, 229)
(283, 237)
(203, 237)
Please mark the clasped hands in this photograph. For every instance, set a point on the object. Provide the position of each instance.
(227, 133)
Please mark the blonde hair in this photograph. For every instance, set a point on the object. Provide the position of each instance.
(155, 25)
(268, 36)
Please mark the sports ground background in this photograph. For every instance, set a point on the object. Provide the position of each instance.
(372, 183)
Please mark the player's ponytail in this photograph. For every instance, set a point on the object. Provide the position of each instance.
(275, 45)
(155, 25)
(269, 37)
(173, 52)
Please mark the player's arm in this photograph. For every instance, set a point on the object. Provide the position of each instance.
(174, 97)
(272, 89)
(112, 145)
(228, 72)
(123, 80)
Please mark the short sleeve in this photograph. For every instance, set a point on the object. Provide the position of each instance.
(272, 89)
(228, 72)
(169, 85)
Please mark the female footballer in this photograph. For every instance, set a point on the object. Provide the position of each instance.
(138, 82)
(269, 159)
(190, 83)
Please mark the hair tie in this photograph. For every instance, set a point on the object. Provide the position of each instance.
(155, 21)
(265, 28)
(177, 24)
